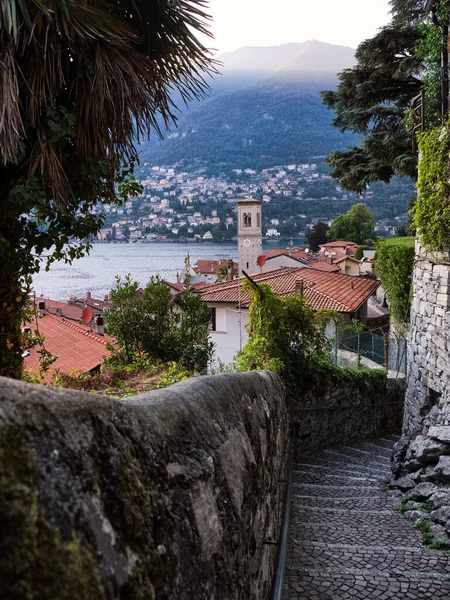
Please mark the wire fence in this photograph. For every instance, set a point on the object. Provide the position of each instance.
(387, 349)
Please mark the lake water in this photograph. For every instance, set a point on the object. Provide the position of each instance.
(96, 272)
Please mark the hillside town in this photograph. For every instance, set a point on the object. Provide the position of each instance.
(331, 278)
(177, 205)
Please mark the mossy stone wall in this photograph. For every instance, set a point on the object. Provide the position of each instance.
(167, 495)
(336, 410)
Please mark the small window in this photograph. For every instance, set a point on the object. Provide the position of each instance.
(247, 218)
(247, 265)
(258, 220)
(212, 322)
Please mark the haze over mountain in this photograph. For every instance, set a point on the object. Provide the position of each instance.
(264, 110)
(303, 56)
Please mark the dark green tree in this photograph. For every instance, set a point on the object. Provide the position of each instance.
(150, 322)
(374, 98)
(79, 83)
(318, 236)
(356, 225)
(217, 234)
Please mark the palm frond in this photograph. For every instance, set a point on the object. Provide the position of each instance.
(11, 124)
(113, 63)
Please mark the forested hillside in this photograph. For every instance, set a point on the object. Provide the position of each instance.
(266, 110)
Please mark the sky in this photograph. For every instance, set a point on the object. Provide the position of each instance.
(267, 23)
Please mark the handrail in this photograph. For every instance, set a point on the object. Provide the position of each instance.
(277, 588)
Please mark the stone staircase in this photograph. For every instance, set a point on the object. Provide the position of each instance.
(346, 541)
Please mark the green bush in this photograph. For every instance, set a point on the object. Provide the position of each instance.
(285, 335)
(432, 209)
(151, 323)
(394, 262)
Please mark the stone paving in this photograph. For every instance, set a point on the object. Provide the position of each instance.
(346, 541)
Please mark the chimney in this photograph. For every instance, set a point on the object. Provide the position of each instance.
(99, 325)
(88, 295)
(230, 270)
(41, 308)
(299, 287)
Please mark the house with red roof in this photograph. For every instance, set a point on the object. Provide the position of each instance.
(212, 267)
(77, 347)
(340, 247)
(230, 303)
(296, 257)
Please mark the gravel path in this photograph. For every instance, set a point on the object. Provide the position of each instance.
(346, 541)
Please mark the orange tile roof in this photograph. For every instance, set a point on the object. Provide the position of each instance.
(211, 266)
(77, 348)
(338, 244)
(352, 258)
(322, 289)
(306, 258)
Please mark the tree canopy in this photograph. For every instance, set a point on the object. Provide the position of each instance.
(356, 225)
(374, 97)
(318, 236)
(80, 82)
(152, 323)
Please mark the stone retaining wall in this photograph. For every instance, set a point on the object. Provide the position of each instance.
(167, 495)
(429, 348)
(335, 410)
(421, 464)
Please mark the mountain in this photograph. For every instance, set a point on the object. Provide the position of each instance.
(265, 110)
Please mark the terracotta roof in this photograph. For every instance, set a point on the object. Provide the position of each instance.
(338, 244)
(342, 293)
(176, 286)
(306, 258)
(197, 286)
(77, 348)
(346, 258)
(212, 266)
(320, 265)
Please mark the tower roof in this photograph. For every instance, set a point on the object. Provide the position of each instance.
(257, 202)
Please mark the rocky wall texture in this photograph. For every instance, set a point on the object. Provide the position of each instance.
(421, 461)
(335, 410)
(429, 347)
(167, 495)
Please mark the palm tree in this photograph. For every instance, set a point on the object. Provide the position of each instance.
(80, 82)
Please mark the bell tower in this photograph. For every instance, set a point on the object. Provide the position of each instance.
(249, 234)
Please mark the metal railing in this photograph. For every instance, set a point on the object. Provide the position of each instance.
(278, 579)
(388, 349)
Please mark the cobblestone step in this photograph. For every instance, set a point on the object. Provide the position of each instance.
(385, 518)
(350, 469)
(364, 455)
(317, 586)
(330, 478)
(346, 539)
(322, 490)
(391, 559)
(369, 502)
(334, 533)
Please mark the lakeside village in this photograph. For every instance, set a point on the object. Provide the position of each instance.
(193, 207)
(331, 278)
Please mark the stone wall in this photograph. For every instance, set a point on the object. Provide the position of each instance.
(429, 348)
(421, 463)
(336, 410)
(167, 495)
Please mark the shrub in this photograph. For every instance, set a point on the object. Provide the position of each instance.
(432, 208)
(285, 336)
(150, 322)
(394, 263)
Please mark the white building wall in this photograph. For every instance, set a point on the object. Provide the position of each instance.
(232, 339)
(282, 261)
